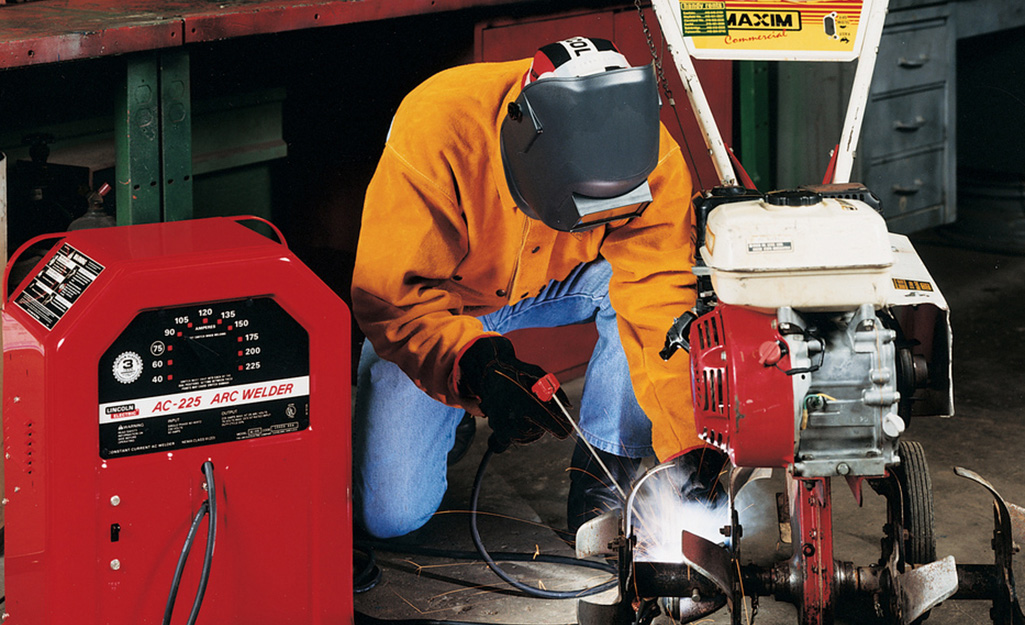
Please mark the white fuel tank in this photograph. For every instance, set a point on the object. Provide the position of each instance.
(798, 249)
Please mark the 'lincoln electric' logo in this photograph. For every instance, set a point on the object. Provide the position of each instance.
(770, 20)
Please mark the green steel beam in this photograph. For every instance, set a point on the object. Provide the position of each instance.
(755, 139)
(153, 140)
(137, 144)
(176, 135)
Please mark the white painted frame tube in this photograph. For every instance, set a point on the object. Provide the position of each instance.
(859, 92)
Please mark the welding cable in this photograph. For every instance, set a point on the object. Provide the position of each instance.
(208, 507)
(504, 556)
(360, 618)
(211, 540)
(189, 539)
(647, 612)
(365, 572)
(528, 590)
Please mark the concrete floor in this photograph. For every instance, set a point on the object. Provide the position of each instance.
(525, 490)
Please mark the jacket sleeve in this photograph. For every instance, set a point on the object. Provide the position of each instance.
(652, 283)
(411, 240)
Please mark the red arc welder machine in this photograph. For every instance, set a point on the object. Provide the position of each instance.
(171, 389)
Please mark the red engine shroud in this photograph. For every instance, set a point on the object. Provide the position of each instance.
(743, 397)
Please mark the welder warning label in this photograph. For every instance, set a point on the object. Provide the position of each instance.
(224, 414)
(53, 291)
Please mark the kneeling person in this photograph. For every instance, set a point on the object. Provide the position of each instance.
(533, 193)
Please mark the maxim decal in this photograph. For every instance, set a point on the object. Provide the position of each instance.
(769, 20)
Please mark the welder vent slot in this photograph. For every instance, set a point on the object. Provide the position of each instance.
(27, 458)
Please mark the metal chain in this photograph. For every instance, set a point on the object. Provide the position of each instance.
(663, 82)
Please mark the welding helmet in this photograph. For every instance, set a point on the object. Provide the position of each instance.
(581, 139)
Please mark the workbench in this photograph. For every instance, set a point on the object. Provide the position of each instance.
(50, 31)
(153, 130)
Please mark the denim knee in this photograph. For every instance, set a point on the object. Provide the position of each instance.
(390, 517)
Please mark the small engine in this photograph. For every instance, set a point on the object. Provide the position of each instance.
(836, 372)
(803, 361)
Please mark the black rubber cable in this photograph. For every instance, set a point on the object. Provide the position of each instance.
(505, 556)
(186, 549)
(533, 592)
(211, 540)
(208, 507)
(366, 619)
(367, 576)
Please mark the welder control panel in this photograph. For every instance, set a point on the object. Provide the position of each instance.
(203, 374)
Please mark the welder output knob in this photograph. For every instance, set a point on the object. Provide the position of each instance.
(793, 197)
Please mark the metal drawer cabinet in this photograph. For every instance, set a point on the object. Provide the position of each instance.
(913, 54)
(912, 187)
(907, 140)
(905, 121)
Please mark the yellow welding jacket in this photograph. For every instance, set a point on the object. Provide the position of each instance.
(443, 242)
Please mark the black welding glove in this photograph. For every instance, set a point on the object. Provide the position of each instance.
(701, 469)
(490, 371)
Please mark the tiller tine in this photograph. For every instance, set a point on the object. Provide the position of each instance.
(1017, 516)
(923, 588)
(616, 613)
(742, 476)
(712, 561)
(1009, 528)
(598, 536)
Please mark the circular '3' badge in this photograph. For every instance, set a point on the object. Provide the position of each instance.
(127, 367)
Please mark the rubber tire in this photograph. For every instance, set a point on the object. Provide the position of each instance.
(919, 514)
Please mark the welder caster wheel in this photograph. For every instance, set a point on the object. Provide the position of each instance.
(916, 492)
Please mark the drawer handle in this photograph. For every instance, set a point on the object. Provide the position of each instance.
(899, 190)
(911, 126)
(913, 63)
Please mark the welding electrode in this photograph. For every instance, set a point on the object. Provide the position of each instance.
(545, 389)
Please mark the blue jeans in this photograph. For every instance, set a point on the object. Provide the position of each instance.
(401, 437)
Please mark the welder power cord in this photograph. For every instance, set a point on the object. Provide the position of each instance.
(208, 507)
(529, 590)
